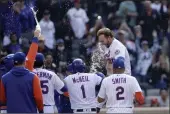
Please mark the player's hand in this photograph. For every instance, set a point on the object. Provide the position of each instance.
(37, 33)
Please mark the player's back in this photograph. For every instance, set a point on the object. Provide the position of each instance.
(119, 91)
(81, 88)
(48, 84)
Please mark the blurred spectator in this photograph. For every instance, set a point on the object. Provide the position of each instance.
(157, 5)
(41, 46)
(27, 19)
(159, 71)
(164, 98)
(61, 54)
(13, 47)
(48, 30)
(10, 18)
(113, 22)
(127, 10)
(154, 102)
(144, 54)
(125, 27)
(149, 21)
(27, 26)
(144, 60)
(78, 19)
(64, 31)
(49, 63)
(92, 38)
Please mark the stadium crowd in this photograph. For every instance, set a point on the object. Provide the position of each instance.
(69, 30)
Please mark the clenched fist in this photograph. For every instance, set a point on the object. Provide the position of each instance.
(37, 33)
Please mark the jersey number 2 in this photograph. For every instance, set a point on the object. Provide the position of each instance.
(83, 91)
(44, 86)
(120, 92)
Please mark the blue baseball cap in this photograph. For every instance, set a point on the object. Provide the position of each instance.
(19, 57)
(39, 57)
(60, 41)
(119, 63)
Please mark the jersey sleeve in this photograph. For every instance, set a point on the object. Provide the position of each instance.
(119, 53)
(102, 92)
(32, 54)
(58, 84)
(2, 94)
(37, 93)
(135, 86)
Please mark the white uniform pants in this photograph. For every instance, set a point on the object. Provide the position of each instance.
(84, 111)
(49, 109)
(120, 110)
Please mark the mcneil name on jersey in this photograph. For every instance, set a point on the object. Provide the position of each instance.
(80, 79)
(118, 80)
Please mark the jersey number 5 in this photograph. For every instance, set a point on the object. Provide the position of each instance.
(44, 86)
(120, 92)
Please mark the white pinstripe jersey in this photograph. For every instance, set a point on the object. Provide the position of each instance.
(81, 88)
(119, 89)
(117, 49)
(49, 82)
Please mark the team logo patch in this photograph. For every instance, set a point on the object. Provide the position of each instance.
(117, 52)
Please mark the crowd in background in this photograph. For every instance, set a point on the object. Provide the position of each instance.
(69, 30)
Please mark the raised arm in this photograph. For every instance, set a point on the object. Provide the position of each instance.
(32, 51)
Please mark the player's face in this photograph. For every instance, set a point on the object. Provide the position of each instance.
(104, 40)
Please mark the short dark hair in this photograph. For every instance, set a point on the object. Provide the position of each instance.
(18, 0)
(38, 64)
(19, 63)
(106, 32)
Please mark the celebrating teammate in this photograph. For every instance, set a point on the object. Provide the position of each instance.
(120, 90)
(81, 88)
(114, 50)
(49, 82)
(8, 64)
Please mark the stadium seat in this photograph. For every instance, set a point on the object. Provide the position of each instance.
(148, 100)
(153, 92)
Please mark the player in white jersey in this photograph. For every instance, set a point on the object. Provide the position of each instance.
(114, 50)
(120, 90)
(82, 88)
(49, 82)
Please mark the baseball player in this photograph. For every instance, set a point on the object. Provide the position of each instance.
(21, 86)
(114, 49)
(8, 60)
(120, 90)
(81, 87)
(49, 82)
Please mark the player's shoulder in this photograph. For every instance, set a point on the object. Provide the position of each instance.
(110, 77)
(69, 77)
(118, 43)
(132, 78)
(6, 75)
(48, 71)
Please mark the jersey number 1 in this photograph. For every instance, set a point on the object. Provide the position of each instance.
(83, 91)
(120, 92)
